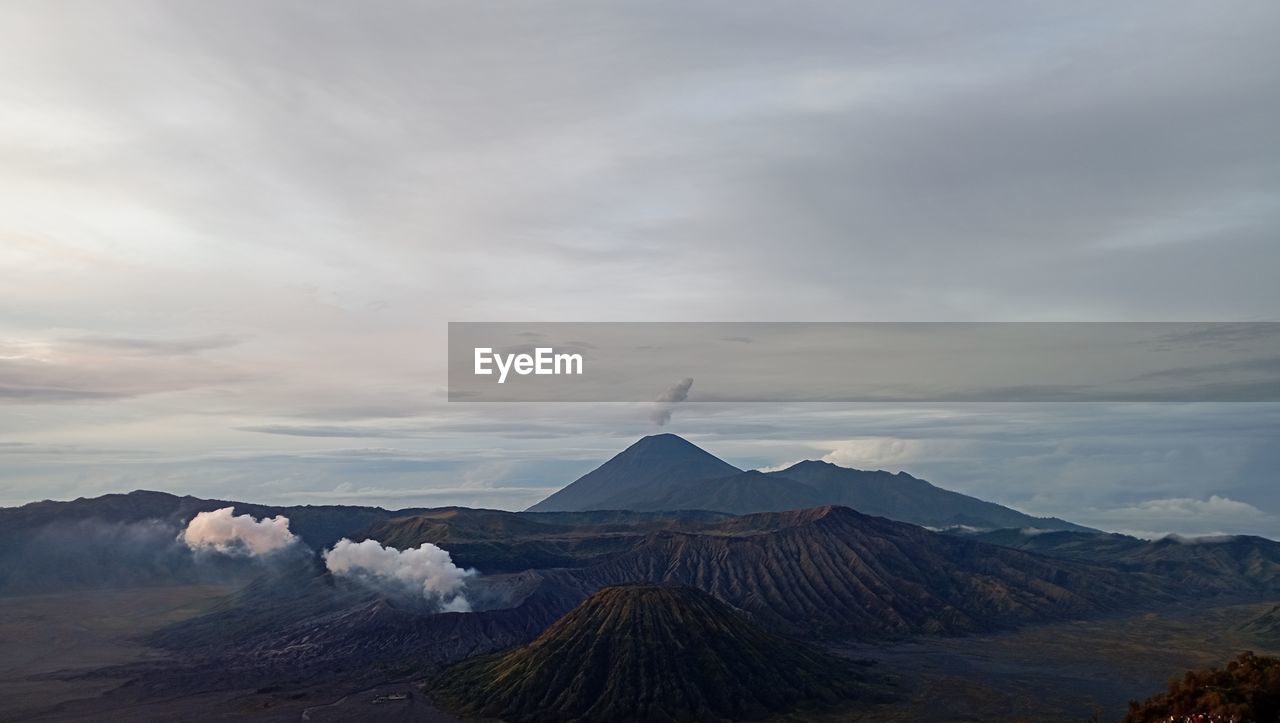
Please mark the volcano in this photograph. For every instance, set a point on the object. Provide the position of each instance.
(652, 652)
(654, 463)
(666, 472)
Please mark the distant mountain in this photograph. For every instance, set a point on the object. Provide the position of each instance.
(651, 653)
(459, 524)
(742, 493)
(626, 519)
(665, 472)
(909, 499)
(492, 541)
(1238, 563)
(833, 572)
(638, 472)
(122, 540)
(132, 539)
(317, 525)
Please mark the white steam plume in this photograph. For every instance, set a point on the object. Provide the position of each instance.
(425, 568)
(223, 531)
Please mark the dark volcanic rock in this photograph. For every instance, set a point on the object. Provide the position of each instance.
(651, 653)
(832, 572)
(312, 624)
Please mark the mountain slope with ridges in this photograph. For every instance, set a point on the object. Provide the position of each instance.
(1236, 563)
(908, 499)
(651, 653)
(832, 572)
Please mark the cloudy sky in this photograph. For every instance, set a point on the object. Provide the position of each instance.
(232, 233)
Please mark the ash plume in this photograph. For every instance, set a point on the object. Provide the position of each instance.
(223, 531)
(426, 570)
(676, 394)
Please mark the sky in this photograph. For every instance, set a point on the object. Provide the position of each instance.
(232, 234)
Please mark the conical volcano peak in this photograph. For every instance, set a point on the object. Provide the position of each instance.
(665, 443)
(650, 652)
(652, 463)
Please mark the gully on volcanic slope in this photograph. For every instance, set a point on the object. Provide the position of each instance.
(643, 652)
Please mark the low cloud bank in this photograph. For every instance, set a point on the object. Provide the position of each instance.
(1206, 520)
(1202, 539)
(426, 570)
(875, 452)
(224, 531)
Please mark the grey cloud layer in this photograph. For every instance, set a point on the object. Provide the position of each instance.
(233, 232)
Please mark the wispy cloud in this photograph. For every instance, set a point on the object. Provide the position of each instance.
(327, 430)
(39, 372)
(1214, 515)
(164, 347)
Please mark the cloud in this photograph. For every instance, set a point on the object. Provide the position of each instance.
(223, 531)
(426, 569)
(1213, 516)
(162, 347)
(778, 467)
(874, 452)
(769, 165)
(326, 430)
(513, 497)
(1187, 507)
(40, 372)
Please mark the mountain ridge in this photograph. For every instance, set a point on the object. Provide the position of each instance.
(667, 472)
(832, 572)
(900, 495)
